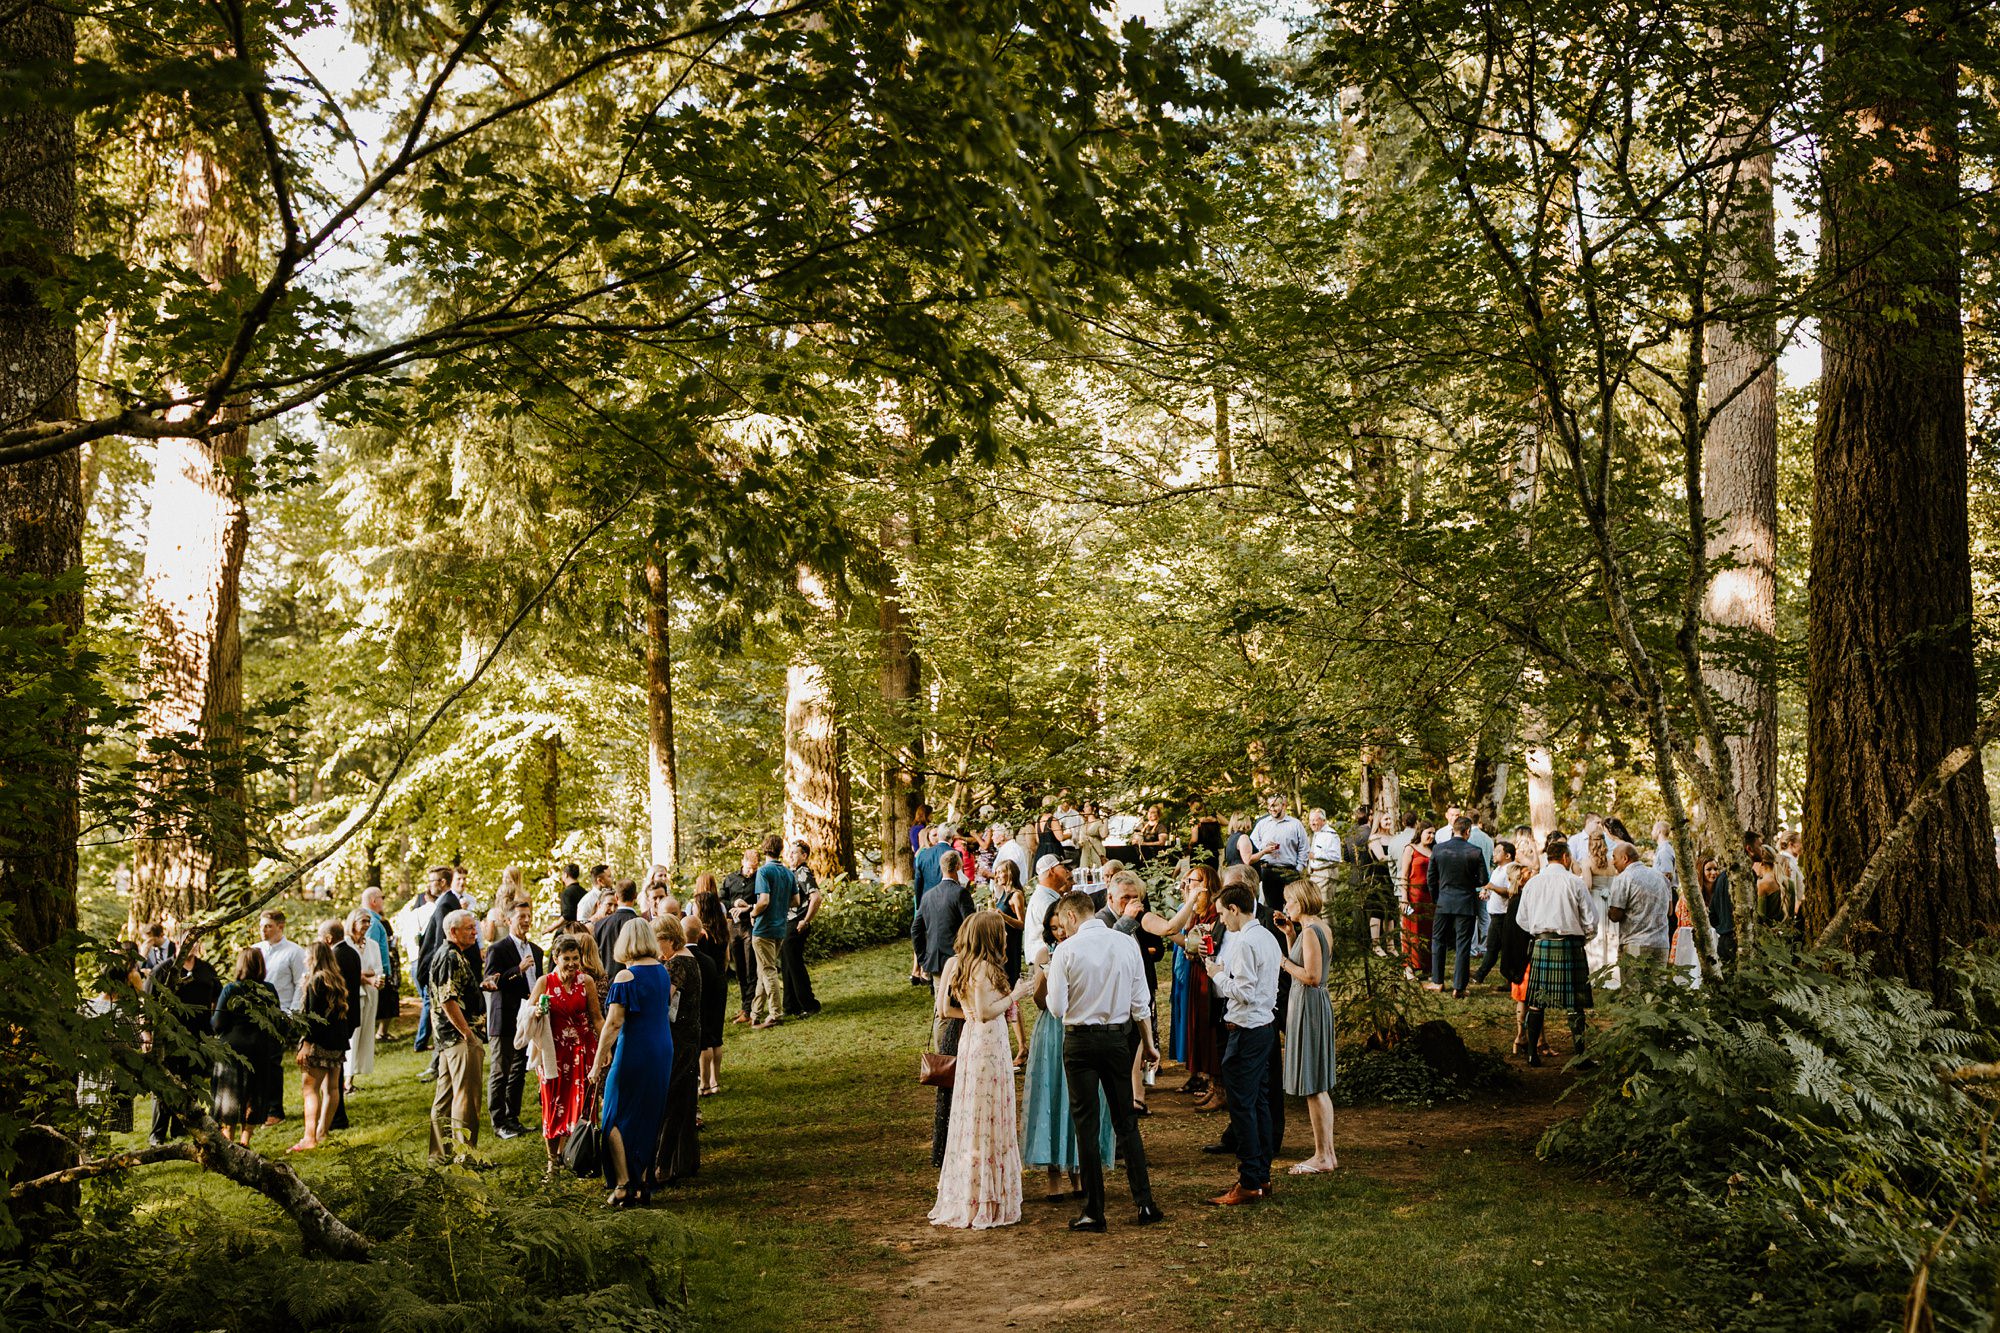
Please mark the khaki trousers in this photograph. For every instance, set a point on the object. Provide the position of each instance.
(770, 998)
(455, 1100)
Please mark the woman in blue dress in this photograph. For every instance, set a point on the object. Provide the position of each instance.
(1048, 1137)
(635, 1062)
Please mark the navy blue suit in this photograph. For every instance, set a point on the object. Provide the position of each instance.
(1458, 873)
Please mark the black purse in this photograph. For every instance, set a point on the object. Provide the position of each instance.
(580, 1151)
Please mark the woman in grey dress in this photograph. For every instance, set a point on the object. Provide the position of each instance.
(1308, 1064)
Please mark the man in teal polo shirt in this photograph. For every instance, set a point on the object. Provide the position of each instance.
(775, 889)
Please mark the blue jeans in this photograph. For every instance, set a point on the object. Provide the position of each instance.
(1246, 1061)
(424, 1034)
(1452, 930)
(1479, 929)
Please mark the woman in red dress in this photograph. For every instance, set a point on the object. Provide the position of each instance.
(569, 997)
(1423, 903)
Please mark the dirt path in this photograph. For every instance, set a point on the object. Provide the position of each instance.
(1038, 1275)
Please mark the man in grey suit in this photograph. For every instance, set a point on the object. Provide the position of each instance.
(1458, 872)
(940, 912)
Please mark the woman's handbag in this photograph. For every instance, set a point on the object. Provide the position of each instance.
(935, 1070)
(580, 1149)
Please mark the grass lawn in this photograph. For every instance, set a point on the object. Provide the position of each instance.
(816, 1178)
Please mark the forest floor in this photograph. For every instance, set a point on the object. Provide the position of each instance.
(816, 1179)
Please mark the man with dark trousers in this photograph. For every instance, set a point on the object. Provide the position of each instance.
(739, 895)
(1097, 990)
(1275, 1076)
(941, 911)
(1245, 972)
(512, 964)
(444, 902)
(1458, 872)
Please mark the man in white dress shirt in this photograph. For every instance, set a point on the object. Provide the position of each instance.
(1245, 974)
(1327, 853)
(1097, 988)
(1559, 912)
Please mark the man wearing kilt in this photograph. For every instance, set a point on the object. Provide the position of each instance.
(1558, 913)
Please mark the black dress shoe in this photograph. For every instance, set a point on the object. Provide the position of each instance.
(1149, 1215)
(1217, 1149)
(1085, 1222)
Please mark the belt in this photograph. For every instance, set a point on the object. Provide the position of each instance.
(1098, 1027)
(1557, 935)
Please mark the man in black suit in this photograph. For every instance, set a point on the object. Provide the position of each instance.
(443, 904)
(942, 910)
(1458, 872)
(572, 892)
(739, 895)
(607, 931)
(512, 965)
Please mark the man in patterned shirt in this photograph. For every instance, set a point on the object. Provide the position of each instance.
(455, 996)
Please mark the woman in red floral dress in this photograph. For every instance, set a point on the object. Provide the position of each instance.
(569, 998)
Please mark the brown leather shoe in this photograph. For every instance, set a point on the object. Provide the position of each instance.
(1235, 1195)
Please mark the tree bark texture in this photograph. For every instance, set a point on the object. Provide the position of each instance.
(1891, 686)
(663, 787)
(902, 784)
(41, 503)
(1740, 484)
(818, 798)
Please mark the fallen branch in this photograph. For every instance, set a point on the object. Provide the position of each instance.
(319, 1230)
(1979, 1073)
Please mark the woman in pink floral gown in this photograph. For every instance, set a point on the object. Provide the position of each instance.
(980, 1183)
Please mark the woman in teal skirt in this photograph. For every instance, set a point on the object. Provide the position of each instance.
(1048, 1138)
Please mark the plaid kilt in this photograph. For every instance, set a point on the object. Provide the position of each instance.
(1558, 974)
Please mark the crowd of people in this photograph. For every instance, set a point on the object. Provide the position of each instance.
(1250, 1017)
(617, 996)
(617, 1008)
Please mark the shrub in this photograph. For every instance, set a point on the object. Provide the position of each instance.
(1796, 1113)
(857, 913)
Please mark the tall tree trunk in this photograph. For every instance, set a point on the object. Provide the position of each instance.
(1740, 482)
(1225, 448)
(902, 785)
(41, 538)
(818, 799)
(41, 503)
(663, 786)
(1891, 685)
(192, 653)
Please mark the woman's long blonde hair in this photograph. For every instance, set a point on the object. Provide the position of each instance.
(981, 949)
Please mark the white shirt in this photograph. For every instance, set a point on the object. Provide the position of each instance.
(1294, 845)
(285, 969)
(1664, 861)
(1012, 850)
(527, 955)
(1579, 848)
(1098, 977)
(1326, 847)
(586, 906)
(1643, 894)
(1557, 901)
(1246, 974)
(1040, 900)
(371, 955)
(1072, 822)
(1118, 830)
(1497, 903)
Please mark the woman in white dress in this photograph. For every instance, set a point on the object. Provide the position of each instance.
(979, 1185)
(361, 1050)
